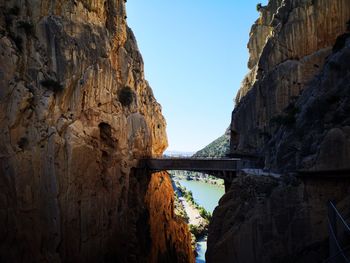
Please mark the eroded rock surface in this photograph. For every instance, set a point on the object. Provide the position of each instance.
(265, 219)
(75, 114)
(292, 113)
(289, 46)
(169, 232)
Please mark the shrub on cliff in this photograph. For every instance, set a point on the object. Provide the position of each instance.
(189, 197)
(52, 84)
(27, 26)
(204, 213)
(126, 96)
(258, 7)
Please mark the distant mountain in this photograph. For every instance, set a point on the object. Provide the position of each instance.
(178, 154)
(217, 148)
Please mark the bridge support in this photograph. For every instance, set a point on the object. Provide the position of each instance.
(228, 178)
(227, 184)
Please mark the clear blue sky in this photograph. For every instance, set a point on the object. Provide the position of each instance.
(195, 58)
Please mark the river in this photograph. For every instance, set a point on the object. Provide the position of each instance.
(206, 195)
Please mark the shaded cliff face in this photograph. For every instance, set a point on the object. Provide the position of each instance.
(266, 219)
(292, 111)
(288, 46)
(76, 113)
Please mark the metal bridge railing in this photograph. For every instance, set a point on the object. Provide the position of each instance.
(339, 236)
(196, 157)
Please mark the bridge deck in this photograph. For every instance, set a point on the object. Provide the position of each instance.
(191, 164)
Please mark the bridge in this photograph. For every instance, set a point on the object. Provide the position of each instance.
(224, 168)
(227, 168)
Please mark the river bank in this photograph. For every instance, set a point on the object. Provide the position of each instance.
(196, 176)
(196, 216)
(194, 202)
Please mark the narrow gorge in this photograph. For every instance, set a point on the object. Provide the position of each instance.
(80, 129)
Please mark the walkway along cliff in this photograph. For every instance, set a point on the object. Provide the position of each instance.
(292, 113)
(76, 113)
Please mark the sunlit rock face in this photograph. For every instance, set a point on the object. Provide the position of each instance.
(75, 114)
(170, 236)
(288, 48)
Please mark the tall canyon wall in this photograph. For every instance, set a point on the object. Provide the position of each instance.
(289, 45)
(292, 112)
(75, 115)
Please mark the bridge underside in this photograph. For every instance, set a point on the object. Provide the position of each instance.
(223, 168)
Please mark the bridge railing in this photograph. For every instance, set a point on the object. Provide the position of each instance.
(195, 158)
(339, 236)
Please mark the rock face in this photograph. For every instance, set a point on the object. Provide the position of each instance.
(293, 113)
(265, 219)
(168, 231)
(75, 114)
(288, 48)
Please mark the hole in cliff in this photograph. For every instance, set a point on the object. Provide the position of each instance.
(126, 96)
(106, 134)
(99, 104)
(52, 84)
(27, 27)
(23, 143)
(104, 156)
(316, 66)
(158, 126)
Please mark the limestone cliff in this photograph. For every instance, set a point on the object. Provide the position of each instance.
(169, 231)
(266, 219)
(75, 114)
(288, 48)
(292, 112)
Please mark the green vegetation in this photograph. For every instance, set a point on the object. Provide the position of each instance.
(258, 7)
(198, 231)
(52, 84)
(179, 209)
(204, 213)
(189, 198)
(196, 176)
(218, 148)
(126, 96)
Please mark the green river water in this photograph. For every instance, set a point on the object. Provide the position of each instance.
(206, 195)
